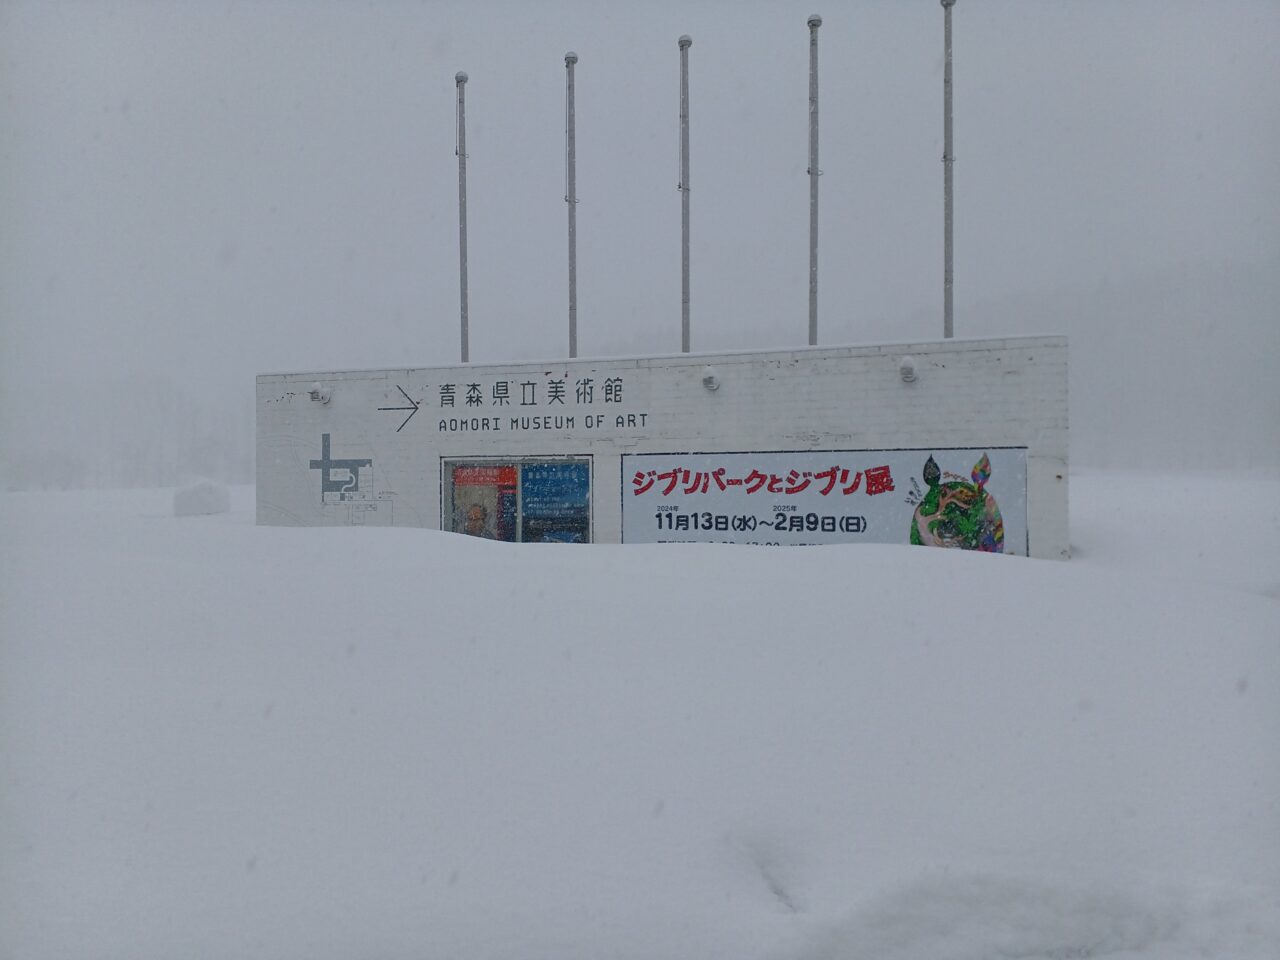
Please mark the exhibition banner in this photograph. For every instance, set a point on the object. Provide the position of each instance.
(971, 499)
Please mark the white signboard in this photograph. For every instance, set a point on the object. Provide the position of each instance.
(973, 499)
(818, 445)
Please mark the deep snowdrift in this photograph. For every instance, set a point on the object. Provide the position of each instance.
(227, 741)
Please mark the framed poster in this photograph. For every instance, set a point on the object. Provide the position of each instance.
(524, 500)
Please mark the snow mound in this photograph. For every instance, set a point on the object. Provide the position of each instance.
(201, 498)
(230, 741)
(978, 916)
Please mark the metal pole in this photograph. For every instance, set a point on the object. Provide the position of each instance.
(684, 42)
(461, 79)
(815, 22)
(948, 158)
(571, 198)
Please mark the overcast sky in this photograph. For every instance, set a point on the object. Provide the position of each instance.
(221, 189)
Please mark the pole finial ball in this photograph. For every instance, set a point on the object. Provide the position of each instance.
(459, 77)
(948, 3)
(570, 57)
(685, 41)
(815, 21)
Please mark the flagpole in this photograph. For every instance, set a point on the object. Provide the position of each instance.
(815, 22)
(571, 198)
(461, 80)
(948, 159)
(684, 43)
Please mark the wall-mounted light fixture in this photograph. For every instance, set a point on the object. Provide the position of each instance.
(907, 369)
(320, 393)
(709, 378)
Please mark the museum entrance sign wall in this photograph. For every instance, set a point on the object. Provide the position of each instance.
(959, 443)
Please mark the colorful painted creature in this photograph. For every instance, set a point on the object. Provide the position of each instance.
(958, 514)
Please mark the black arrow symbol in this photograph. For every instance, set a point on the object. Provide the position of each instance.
(412, 408)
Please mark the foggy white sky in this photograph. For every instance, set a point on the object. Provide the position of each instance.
(221, 189)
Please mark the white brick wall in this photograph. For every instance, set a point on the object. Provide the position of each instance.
(967, 394)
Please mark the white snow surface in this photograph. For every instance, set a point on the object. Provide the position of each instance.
(226, 741)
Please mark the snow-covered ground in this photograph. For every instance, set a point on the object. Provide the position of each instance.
(224, 741)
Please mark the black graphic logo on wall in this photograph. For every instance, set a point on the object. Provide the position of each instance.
(339, 479)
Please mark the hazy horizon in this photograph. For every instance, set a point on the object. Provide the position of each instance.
(193, 194)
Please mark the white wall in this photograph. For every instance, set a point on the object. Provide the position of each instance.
(966, 394)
